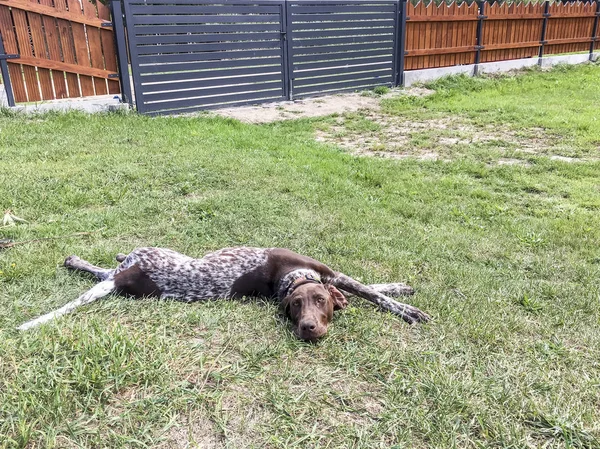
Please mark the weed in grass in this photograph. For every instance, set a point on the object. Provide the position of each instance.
(381, 90)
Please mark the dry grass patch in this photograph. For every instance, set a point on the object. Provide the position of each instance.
(377, 134)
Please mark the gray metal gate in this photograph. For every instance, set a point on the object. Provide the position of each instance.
(341, 45)
(196, 54)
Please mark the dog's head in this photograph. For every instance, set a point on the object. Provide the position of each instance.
(310, 306)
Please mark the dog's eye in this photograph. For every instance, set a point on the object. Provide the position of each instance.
(296, 303)
(320, 300)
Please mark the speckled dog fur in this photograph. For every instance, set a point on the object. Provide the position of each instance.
(187, 279)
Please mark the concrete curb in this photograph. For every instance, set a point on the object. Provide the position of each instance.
(100, 103)
(90, 105)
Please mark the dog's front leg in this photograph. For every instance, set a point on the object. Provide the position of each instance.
(408, 313)
(393, 290)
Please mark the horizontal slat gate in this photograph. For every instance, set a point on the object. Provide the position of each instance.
(340, 45)
(197, 54)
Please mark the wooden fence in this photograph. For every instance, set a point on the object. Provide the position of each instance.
(449, 35)
(64, 49)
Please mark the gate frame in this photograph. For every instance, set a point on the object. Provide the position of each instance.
(400, 43)
(121, 46)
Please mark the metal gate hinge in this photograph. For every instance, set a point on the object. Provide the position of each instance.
(2, 57)
(106, 24)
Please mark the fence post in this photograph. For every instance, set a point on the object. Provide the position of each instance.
(117, 18)
(400, 44)
(10, 98)
(544, 28)
(595, 30)
(286, 43)
(481, 17)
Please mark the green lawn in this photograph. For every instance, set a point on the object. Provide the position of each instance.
(506, 258)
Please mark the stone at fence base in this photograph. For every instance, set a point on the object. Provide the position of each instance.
(422, 76)
(3, 99)
(505, 66)
(99, 103)
(549, 61)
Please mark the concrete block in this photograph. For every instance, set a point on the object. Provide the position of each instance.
(505, 66)
(549, 61)
(424, 75)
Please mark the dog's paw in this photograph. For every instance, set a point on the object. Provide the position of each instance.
(412, 315)
(71, 261)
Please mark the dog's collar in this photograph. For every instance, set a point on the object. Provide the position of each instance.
(295, 279)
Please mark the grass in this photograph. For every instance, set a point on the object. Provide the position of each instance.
(506, 259)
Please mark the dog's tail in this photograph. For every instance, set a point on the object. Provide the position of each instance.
(98, 291)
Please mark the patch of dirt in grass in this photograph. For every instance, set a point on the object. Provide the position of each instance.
(570, 160)
(196, 432)
(314, 107)
(242, 415)
(429, 138)
(509, 161)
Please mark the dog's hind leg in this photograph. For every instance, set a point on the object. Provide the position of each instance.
(96, 292)
(75, 263)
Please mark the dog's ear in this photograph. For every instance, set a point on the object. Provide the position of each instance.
(339, 300)
(285, 305)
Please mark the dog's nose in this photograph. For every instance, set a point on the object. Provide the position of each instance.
(308, 326)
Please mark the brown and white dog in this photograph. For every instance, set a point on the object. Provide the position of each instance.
(308, 290)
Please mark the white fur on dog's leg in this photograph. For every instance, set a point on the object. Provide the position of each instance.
(98, 291)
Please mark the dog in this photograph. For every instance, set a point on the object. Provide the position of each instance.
(307, 290)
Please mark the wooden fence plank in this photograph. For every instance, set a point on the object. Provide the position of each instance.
(54, 53)
(22, 32)
(68, 49)
(96, 59)
(83, 58)
(53, 41)
(11, 47)
(39, 51)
